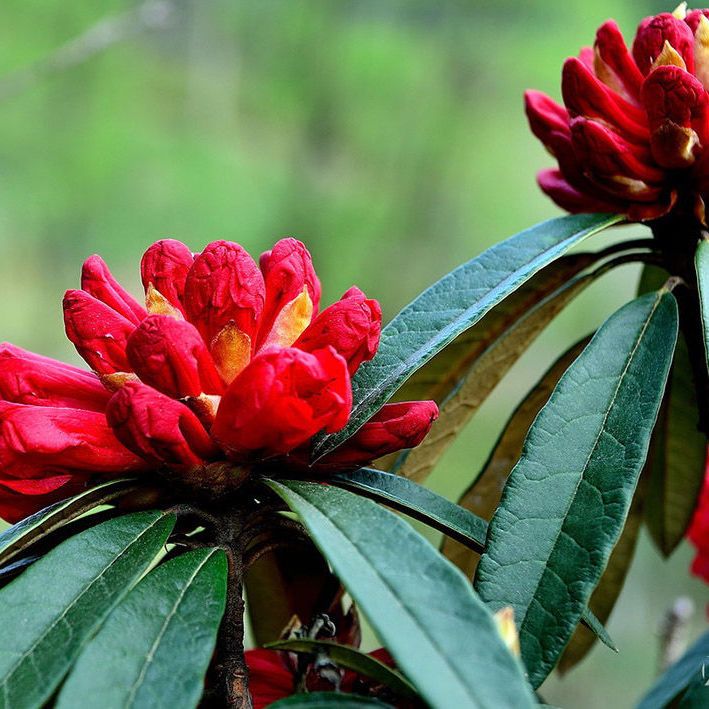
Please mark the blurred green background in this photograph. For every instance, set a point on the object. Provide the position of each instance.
(387, 134)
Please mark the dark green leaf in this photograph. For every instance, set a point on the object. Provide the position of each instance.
(426, 506)
(418, 502)
(697, 695)
(566, 500)
(454, 304)
(692, 666)
(677, 460)
(422, 608)
(154, 649)
(351, 659)
(702, 266)
(482, 377)
(483, 496)
(675, 465)
(21, 535)
(53, 608)
(606, 594)
(438, 377)
(325, 700)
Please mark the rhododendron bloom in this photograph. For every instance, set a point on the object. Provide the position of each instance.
(226, 362)
(633, 134)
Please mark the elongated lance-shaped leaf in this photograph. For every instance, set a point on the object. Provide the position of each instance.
(418, 502)
(679, 676)
(426, 506)
(701, 262)
(484, 494)
(605, 595)
(53, 608)
(349, 658)
(328, 700)
(567, 498)
(154, 649)
(423, 609)
(451, 306)
(17, 538)
(482, 377)
(439, 376)
(675, 465)
(677, 461)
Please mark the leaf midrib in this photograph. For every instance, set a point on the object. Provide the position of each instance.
(621, 379)
(150, 655)
(66, 611)
(454, 671)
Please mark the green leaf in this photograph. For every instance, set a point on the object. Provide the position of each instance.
(483, 495)
(482, 377)
(439, 376)
(701, 263)
(451, 306)
(605, 595)
(17, 538)
(53, 608)
(567, 498)
(154, 649)
(325, 700)
(421, 607)
(426, 506)
(679, 676)
(352, 659)
(416, 501)
(677, 460)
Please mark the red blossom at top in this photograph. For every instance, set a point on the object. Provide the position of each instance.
(227, 361)
(633, 134)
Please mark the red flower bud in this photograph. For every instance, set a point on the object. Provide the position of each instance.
(352, 326)
(158, 428)
(37, 440)
(677, 108)
(613, 63)
(652, 35)
(546, 117)
(224, 285)
(170, 355)
(287, 270)
(555, 185)
(20, 498)
(395, 427)
(96, 279)
(28, 378)
(165, 266)
(585, 95)
(98, 332)
(282, 399)
(613, 161)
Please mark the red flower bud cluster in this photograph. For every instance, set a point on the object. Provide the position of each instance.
(226, 361)
(633, 134)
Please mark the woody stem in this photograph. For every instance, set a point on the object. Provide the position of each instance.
(231, 670)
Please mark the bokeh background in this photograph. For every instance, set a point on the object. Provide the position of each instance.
(387, 134)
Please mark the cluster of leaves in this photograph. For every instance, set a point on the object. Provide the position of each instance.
(548, 527)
